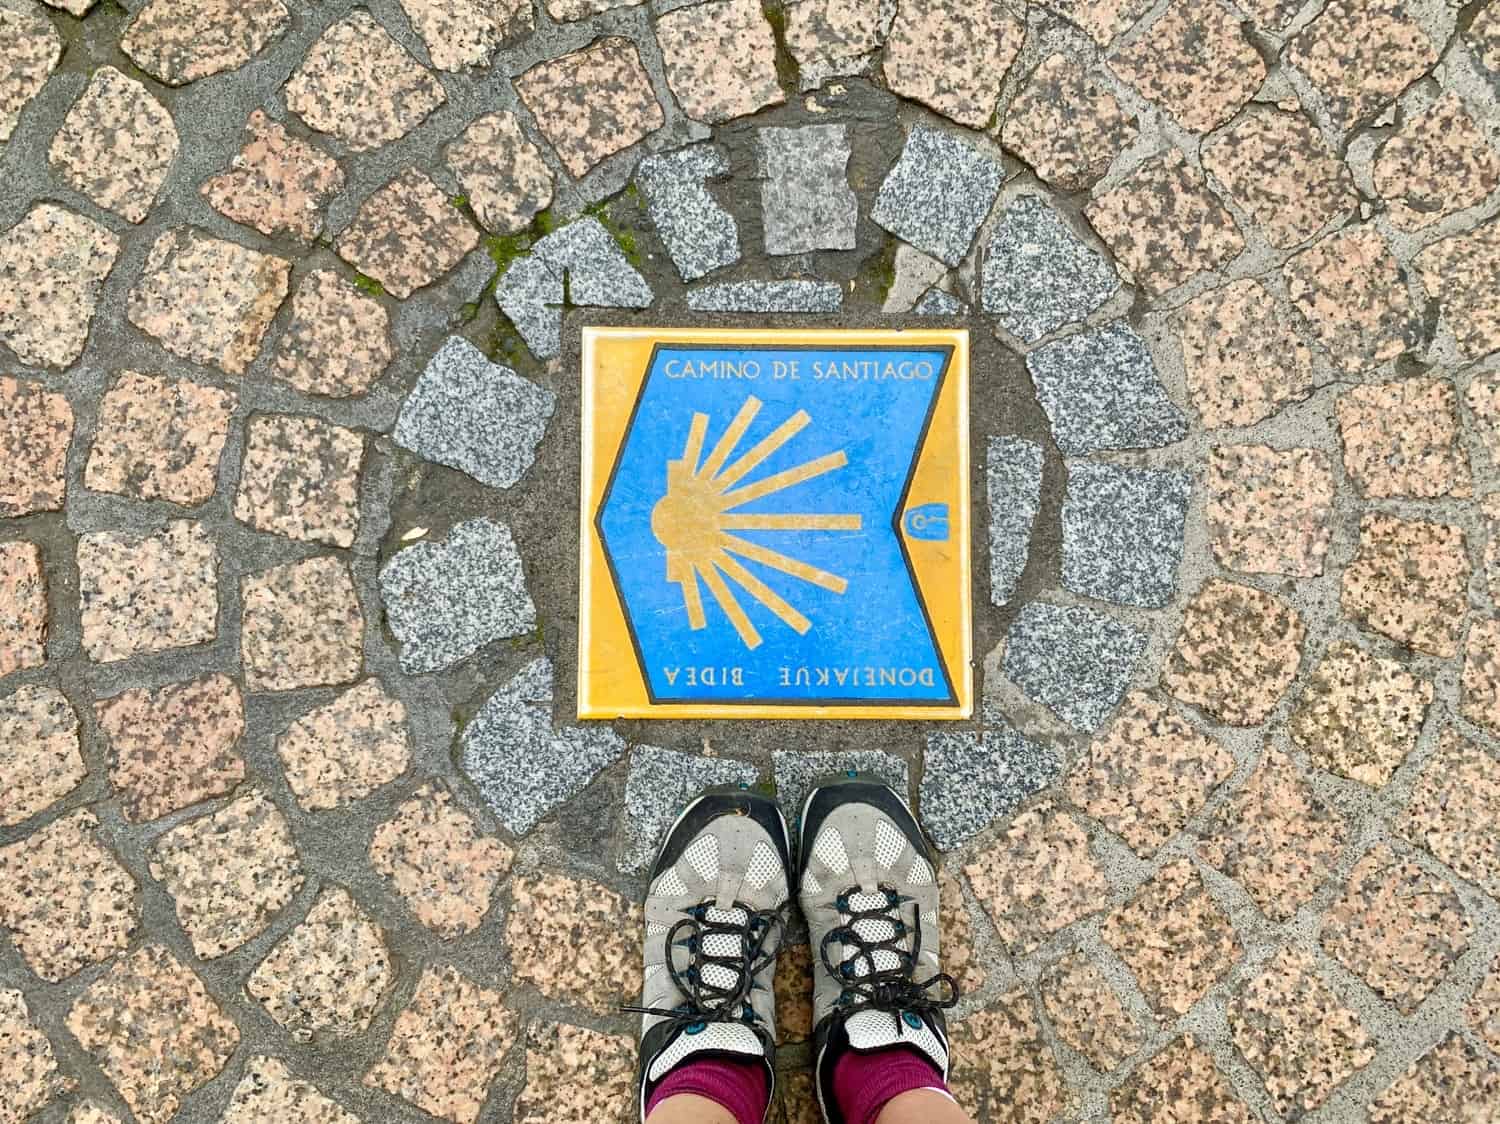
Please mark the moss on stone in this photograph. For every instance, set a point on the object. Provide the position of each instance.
(534, 640)
(505, 345)
(503, 249)
(368, 285)
(877, 276)
(775, 16)
(623, 234)
(788, 73)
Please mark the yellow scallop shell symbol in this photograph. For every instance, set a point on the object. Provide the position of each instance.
(694, 520)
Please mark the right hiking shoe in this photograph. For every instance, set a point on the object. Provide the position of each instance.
(868, 887)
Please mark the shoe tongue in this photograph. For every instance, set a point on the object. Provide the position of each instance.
(714, 1038)
(723, 944)
(880, 1030)
(875, 930)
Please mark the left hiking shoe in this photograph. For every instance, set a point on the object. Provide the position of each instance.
(715, 914)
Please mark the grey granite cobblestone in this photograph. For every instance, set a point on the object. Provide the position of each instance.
(804, 193)
(1038, 275)
(1122, 532)
(599, 273)
(700, 235)
(661, 783)
(796, 773)
(938, 194)
(473, 415)
(970, 779)
(767, 296)
(913, 273)
(447, 600)
(1076, 661)
(1013, 485)
(938, 303)
(523, 765)
(1101, 391)
(580, 263)
(531, 294)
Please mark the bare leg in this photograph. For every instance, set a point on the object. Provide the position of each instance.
(688, 1109)
(920, 1106)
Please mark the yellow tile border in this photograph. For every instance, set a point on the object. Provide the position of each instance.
(611, 683)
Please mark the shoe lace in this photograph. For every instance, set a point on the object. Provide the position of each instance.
(721, 996)
(893, 988)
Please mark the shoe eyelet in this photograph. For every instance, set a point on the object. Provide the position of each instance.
(911, 1020)
(695, 1028)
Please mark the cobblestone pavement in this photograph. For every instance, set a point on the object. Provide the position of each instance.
(295, 823)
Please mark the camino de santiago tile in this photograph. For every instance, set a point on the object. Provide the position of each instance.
(776, 524)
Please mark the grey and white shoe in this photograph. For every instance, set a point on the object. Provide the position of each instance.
(868, 886)
(715, 915)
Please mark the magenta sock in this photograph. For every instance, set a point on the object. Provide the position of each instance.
(863, 1084)
(740, 1088)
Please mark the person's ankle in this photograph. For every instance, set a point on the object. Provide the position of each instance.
(865, 1082)
(741, 1088)
(924, 1106)
(689, 1108)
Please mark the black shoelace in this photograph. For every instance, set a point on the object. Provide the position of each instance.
(707, 1000)
(895, 990)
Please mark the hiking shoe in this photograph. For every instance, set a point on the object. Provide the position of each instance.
(715, 915)
(868, 886)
